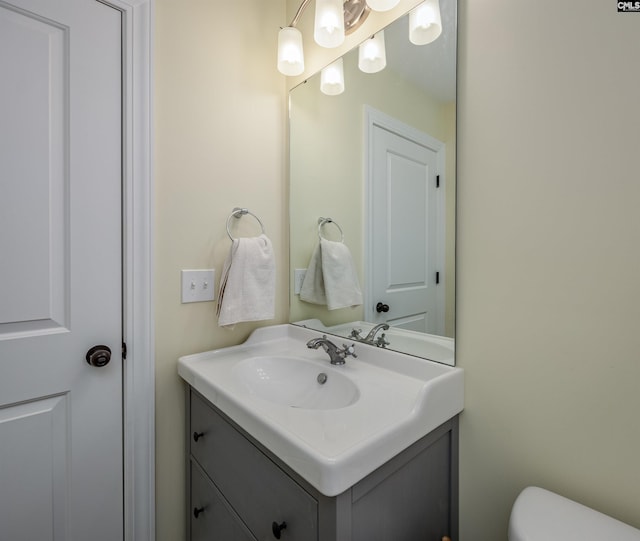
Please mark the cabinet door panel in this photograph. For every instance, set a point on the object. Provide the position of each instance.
(211, 520)
(413, 503)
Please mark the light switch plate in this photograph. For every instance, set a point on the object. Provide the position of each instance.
(198, 285)
(298, 276)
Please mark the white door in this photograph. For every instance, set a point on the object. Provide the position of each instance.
(60, 271)
(405, 172)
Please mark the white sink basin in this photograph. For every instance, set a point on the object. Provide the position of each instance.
(296, 383)
(333, 435)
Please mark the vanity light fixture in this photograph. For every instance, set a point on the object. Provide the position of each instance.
(335, 18)
(372, 56)
(425, 24)
(328, 29)
(332, 79)
(290, 56)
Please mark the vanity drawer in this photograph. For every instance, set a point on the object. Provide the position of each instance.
(258, 490)
(211, 518)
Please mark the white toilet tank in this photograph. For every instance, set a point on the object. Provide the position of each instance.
(540, 515)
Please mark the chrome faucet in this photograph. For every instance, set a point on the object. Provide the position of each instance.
(336, 354)
(371, 339)
(372, 333)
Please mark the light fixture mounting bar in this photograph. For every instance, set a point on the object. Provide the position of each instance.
(355, 13)
(299, 13)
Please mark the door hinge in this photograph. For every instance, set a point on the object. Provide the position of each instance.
(437, 278)
(124, 351)
(437, 181)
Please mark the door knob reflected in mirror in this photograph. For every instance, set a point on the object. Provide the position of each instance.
(381, 307)
(277, 529)
(98, 356)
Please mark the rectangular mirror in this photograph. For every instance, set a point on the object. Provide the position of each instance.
(378, 163)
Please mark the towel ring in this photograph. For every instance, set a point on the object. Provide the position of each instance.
(237, 213)
(322, 221)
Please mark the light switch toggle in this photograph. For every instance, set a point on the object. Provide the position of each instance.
(197, 285)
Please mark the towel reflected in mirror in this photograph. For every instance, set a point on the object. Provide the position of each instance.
(331, 277)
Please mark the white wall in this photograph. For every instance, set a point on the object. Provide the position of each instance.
(220, 139)
(548, 314)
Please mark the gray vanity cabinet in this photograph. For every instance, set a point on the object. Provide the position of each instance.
(240, 491)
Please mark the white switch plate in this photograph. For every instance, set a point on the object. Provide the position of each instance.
(197, 285)
(298, 277)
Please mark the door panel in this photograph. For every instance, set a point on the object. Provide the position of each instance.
(33, 141)
(35, 451)
(407, 204)
(60, 274)
(403, 241)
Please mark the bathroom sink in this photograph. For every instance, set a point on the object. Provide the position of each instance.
(296, 383)
(334, 434)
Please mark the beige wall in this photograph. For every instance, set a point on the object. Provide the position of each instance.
(220, 139)
(548, 257)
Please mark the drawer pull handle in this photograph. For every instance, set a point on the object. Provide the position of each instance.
(197, 436)
(197, 511)
(277, 528)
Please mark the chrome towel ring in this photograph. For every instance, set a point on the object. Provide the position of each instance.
(322, 221)
(237, 213)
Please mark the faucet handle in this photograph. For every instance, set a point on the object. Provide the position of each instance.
(355, 333)
(381, 341)
(349, 350)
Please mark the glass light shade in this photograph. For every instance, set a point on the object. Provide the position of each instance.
(425, 24)
(382, 5)
(290, 53)
(329, 23)
(332, 79)
(372, 56)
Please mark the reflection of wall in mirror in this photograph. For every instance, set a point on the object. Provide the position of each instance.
(327, 149)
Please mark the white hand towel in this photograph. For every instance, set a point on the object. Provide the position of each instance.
(340, 279)
(331, 277)
(247, 285)
(312, 288)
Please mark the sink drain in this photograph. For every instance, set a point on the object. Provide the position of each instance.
(322, 378)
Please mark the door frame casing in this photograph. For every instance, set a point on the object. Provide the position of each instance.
(137, 269)
(372, 118)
